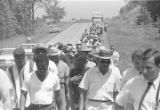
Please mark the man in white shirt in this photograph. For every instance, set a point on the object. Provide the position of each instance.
(16, 77)
(116, 56)
(135, 70)
(41, 85)
(100, 84)
(142, 91)
(5, 85)
(63, 73)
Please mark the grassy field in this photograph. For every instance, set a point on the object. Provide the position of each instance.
(41, 35)
(126, 38)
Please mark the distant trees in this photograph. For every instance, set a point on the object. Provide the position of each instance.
(9, 25)
(54, 11)
(149, 9)
(153, 7)
(18, 16)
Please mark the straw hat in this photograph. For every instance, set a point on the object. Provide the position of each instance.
(102, 54)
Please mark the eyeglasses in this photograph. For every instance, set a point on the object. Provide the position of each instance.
(105, 61)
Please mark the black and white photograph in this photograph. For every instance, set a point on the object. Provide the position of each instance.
(79, 54)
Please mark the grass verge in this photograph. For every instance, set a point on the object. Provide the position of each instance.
(41, 35)
(126, 38)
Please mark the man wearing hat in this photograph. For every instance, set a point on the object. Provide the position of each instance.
(63, 73)
(43, 49)
(86, 50)
(16, 76)
(100, 84)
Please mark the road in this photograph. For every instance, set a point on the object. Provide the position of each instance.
(71, 34)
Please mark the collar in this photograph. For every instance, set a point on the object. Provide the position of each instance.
(107, 73)
(156, 81)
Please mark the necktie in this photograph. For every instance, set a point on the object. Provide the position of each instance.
(144, 94)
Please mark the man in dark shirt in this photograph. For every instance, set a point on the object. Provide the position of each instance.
(76, 75)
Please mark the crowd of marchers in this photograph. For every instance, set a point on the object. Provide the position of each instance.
(84, 76)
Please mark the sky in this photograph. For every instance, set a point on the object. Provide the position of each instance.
(84, 8)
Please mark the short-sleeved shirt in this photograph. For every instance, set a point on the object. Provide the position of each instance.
(99, 86)
(5, 85)
(128, 74)
(133, 91)
(41, 92)
(63, 70)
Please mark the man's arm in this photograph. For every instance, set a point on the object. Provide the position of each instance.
(58, 98)
(83, 94)
(23, 100)
(67, 91)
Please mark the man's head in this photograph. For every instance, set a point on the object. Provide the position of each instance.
(54, 54)
(137, 59)
(104, 57)
(150, 64)
(19, 57)
(42, 62)
(40, 49)
(60, 45)
(85, 49)
(80, 60)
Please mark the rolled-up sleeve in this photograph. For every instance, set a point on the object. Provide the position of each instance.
(124, 96)
(84, 84)
(118, 82)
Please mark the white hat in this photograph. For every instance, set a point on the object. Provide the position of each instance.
(54, 51)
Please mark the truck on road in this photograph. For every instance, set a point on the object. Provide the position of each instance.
(97, 17)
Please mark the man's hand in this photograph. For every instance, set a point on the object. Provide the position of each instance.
(75, 78)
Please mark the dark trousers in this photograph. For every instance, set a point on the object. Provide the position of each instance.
(41, 107)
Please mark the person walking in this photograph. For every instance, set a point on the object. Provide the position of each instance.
(76, 75)
(100, 84)
(142, 91)
(41, 85)
(16, 76)
(134, 70)
(63, 73)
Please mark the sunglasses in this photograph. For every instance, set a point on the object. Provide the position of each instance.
(105, 61)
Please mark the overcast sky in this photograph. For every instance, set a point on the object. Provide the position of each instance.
(85, 8)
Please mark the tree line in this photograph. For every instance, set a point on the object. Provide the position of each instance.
(18, 16)
(149, 9)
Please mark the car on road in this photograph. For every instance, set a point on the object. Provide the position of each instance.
(54, 29)
(28, 49)
(6, 57)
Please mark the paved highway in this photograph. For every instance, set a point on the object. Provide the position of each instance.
(71, 34)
